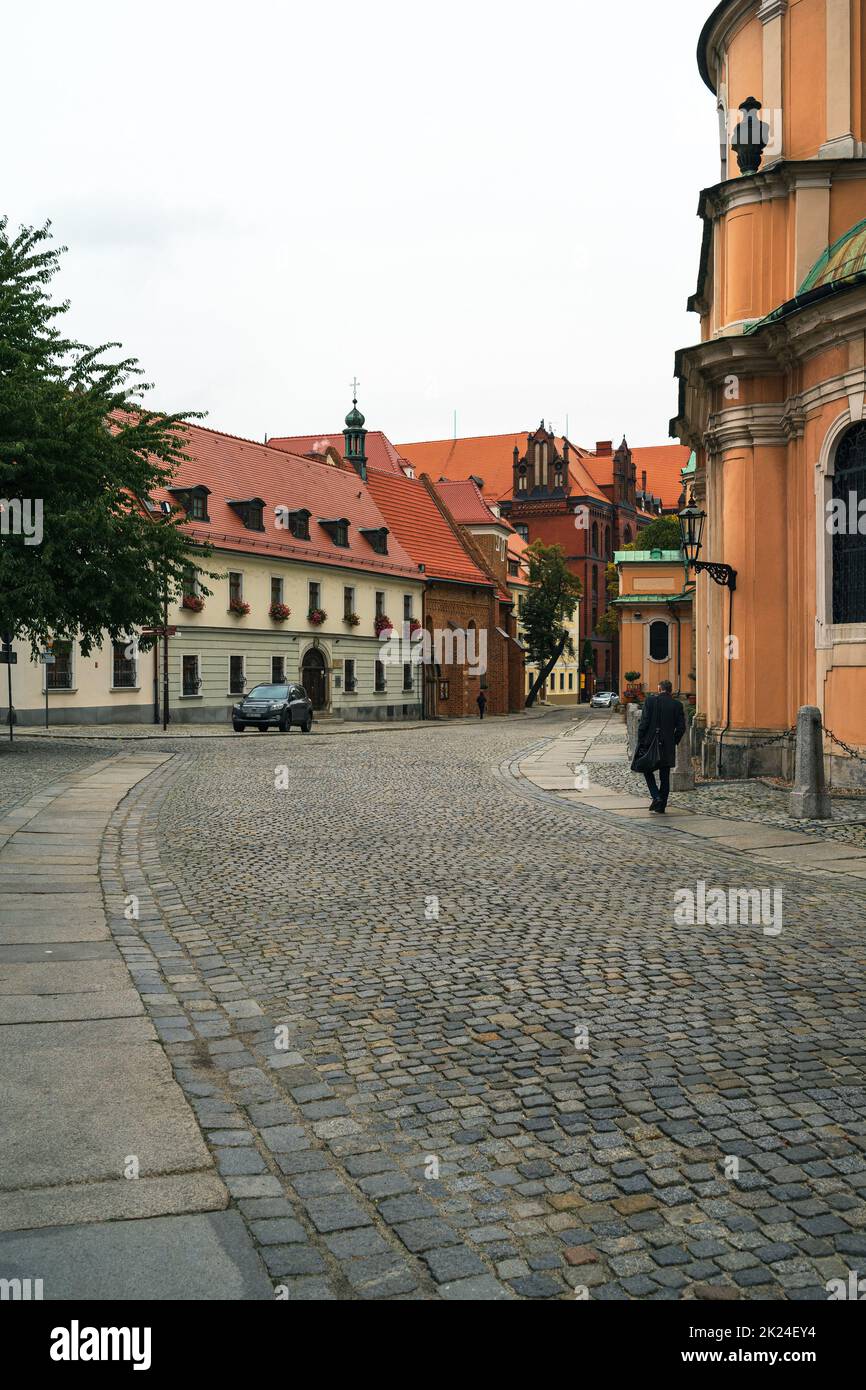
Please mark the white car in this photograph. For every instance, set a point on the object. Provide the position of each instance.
(604, 699)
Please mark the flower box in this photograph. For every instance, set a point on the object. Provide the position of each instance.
(194, 602)
(237, 605)
(316, 616)
(352, 619)
(280, 612)
(382, 624)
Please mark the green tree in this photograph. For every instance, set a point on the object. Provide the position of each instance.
(76, 441)
(663, 533)
(548, 610)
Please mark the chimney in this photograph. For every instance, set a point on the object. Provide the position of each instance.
(604, 448)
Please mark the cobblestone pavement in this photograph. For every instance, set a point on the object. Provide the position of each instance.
(28, 766)
(370, 983)
(747, 801)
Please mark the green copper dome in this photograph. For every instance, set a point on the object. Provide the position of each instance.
(845, 258)
(354, 419)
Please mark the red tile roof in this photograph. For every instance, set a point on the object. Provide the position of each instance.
(662, 464)
(466, 504)
(491, 458)
(381, 453)
(234, 468)
(419, 524)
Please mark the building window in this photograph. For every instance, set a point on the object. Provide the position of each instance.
(380, 603)
(595, 538)
(341, 533)
(571, 680)
(190, 678)
(377, 536)
(407, 608)
(595, 581)
(276, 590)
(380, 676)
(196, 508)
(849, 543)
(521, 604)
(190, 579)
(407, 675)
(59, 675)
(351, 684)
(607, 549)
(236, 586)
(659, 641)
(237, 678)
(626, 536)
(278, 670)
(124, 672)
(348, 603)
(299, 525)
(521, 480)
(557, 477)
(594, 618)
(522, 530)
(315, 595)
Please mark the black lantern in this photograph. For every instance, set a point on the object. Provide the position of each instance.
(692, 531)
(751, 137)
(691, 539)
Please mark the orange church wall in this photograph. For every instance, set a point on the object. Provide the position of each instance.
(844, 702)
(745, 66)
(847, 206)
(805, 81)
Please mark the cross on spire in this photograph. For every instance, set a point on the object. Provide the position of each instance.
(355, 384)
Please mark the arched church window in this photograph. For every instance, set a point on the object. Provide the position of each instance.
(659, 641)
(595, 538)
(848, 528)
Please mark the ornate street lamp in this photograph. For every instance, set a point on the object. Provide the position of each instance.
(692, 521)
(751, 137)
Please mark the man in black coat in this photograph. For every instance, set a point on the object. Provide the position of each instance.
(665, 715)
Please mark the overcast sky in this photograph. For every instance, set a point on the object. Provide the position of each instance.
(481, 207)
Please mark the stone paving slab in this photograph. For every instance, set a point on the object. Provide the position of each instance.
(179, 1257)
(67, 1008)
(121, 1199)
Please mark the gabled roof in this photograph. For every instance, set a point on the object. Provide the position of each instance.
(491, 458)
(381, 453)
(466, 504)
(422, 528)
(232, 467)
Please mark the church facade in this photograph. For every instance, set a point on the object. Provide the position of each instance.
(772, 398)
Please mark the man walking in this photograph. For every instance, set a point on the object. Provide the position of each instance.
(481, 702)
(662, 725)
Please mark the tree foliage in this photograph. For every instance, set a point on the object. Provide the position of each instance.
(76, 439)
(549, 608)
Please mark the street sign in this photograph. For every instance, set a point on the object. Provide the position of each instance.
(8, 658)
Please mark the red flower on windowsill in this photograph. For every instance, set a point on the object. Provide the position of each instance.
(352, 619)
(382, 623)
(316, 616)
(414, 626)
(237, 605)
(194, 602)
(279, 612)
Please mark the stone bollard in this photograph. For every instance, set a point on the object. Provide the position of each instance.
(633, 718)
(683, 775)
(810, 798)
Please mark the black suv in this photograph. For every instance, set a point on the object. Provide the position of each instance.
(278, 705)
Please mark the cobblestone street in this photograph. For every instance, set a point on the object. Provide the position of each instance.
(395, 1098)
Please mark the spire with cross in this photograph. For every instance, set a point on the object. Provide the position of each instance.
(355, 384)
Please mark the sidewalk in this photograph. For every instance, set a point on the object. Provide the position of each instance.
(95, 1129)
(224, 730)
(751, 819)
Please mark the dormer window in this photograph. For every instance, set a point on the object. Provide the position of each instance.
(378, 538)
(296, 521)
(193, 500)
(557, 477)
(337, 528)
(251, 512)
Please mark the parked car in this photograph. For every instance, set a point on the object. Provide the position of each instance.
(604, 699)
(279, 706)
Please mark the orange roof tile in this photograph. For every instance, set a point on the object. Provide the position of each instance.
(466, 504)
(381, 453)
(662, 464)
(418, 523)
(237, 469)
(491, 458)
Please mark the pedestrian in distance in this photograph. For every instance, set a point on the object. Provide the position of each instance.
(662, 725)
(481, 703)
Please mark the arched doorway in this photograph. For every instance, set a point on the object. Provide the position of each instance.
(314, 677)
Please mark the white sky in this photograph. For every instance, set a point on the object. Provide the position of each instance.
(487, 207)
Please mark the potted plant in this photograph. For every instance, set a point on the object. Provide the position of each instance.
(316, 616)
(414, 626)
(352, 619)
(382, 624)
(632, 690)
(238, 605)
(194, 602)
(279, 612)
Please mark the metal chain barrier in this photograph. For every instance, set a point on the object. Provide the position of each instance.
(852, 753)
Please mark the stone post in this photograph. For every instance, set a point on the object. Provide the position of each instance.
(810, 799)
(683, 775)
(633, 718)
